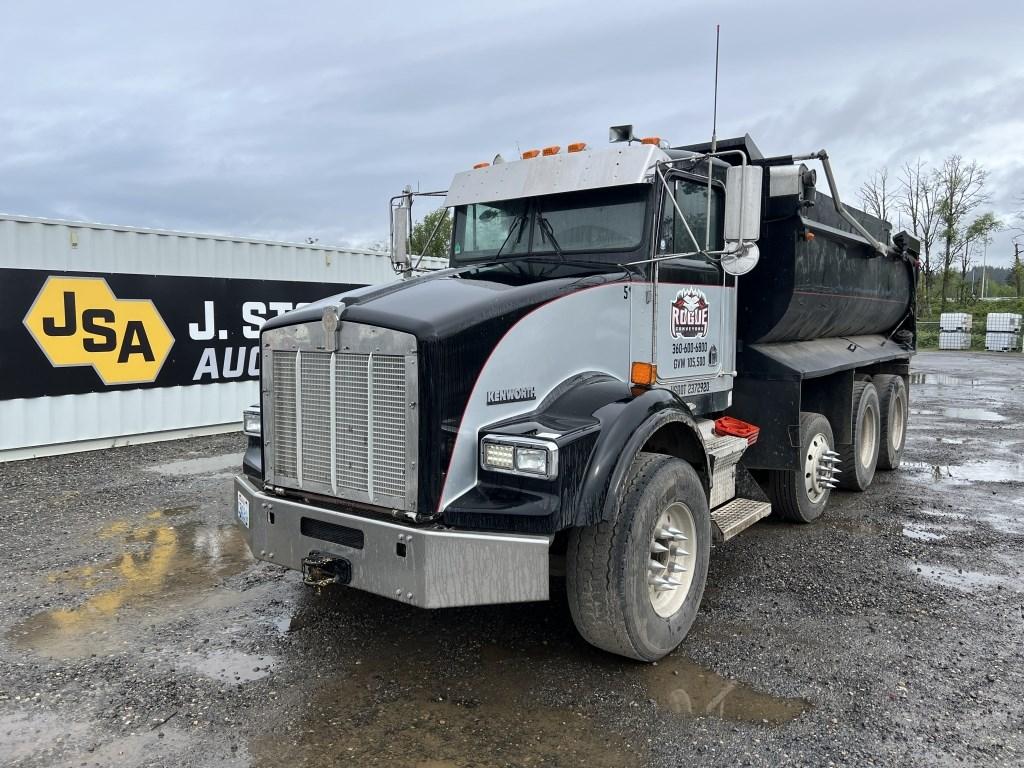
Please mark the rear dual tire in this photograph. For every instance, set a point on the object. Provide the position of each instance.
(860, 457)
(895, 410)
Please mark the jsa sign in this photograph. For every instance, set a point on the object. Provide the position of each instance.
(69, 333)
(78, 321)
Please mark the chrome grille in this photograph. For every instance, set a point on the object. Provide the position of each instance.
(343, 423)
(285, 457)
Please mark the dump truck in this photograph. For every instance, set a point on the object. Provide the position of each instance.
(637, 352)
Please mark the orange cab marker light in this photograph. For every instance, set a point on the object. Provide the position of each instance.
(808, 235)
(655, 140)
(530, 153)
(480, 165)
(552, 150)
(643, 374)
(727, 425)
(577, 146)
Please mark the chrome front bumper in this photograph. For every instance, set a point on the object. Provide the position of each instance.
(426, 567)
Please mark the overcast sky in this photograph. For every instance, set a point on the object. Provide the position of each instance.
(288, 120)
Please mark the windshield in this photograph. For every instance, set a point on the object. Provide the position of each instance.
(573, 222)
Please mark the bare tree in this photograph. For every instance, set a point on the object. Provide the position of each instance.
(979, 232)
(916, 196)
(961, 189)
(877, 195)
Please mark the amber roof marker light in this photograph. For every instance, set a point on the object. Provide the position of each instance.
(530, 154)
(552, 150)
(577, 146)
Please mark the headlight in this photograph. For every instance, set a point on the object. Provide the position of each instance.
(251, 422)
(519, 456)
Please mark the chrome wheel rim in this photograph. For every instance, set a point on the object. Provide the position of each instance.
(673, 559)
(820, 468)
(868, 437)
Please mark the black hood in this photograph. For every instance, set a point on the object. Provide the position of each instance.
(443, 304)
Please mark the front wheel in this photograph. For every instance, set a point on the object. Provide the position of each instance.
(635, 583)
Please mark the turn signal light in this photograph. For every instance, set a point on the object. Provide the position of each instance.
(552, 150)
(480, 165)
(643, 374)
(530, 153)
(655, 140)
(578, 146)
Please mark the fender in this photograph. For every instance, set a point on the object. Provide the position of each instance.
(626, 426)
(603, 428)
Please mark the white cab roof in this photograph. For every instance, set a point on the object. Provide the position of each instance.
(618, 165)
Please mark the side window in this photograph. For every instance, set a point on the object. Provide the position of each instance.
(692, 198)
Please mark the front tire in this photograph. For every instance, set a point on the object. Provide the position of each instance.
(859, 458)
(635, 583)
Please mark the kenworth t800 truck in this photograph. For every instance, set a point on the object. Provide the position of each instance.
(637, 352)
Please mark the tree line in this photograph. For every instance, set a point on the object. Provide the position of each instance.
(944, 207)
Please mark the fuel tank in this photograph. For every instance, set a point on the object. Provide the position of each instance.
(817, 278)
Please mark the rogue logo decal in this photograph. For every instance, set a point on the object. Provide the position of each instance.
(690, 314)
(79, 321)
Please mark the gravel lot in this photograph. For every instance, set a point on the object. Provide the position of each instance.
(135, 629)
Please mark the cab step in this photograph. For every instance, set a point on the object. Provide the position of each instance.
(735, 516)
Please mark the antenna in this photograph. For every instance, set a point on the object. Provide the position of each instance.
(714, 143)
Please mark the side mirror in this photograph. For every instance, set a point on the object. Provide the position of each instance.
(743, 203)
(401, 219)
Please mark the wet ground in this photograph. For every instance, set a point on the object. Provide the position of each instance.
(136, 630)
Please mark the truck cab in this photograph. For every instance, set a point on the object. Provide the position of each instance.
(577, 385)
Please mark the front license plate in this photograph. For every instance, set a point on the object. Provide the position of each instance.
(243, 509)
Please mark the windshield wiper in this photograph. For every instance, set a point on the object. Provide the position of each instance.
(550, 232)
(518, 221)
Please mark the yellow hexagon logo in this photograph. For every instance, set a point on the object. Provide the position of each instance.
(79, 321)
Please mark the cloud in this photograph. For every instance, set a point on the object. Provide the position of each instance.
(264, 121)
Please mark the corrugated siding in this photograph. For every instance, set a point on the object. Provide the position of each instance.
(30, 243)
(44, 244)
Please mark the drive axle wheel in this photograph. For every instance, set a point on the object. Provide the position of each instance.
(800, 495)
(892, 393)
(635, 582)
(860, 457)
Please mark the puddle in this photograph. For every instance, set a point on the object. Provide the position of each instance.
(972, 414)
(682, 687)
(922, 412)
(966, 581)
(231, 666)
(410, 704)
(994, 471)
(942, 379)
(45, 738)
(952, 440)
(226, 464)
(922, 533)
(161, 571)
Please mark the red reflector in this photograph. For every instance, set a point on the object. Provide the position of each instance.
(727, 425)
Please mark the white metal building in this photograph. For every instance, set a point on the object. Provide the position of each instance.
(37, 253)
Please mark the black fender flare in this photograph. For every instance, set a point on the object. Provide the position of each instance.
(626, 426)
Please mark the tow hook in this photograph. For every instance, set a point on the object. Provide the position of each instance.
(320, 569)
